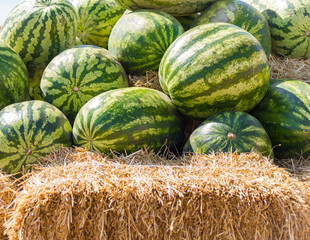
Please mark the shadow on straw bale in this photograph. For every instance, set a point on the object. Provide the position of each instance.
(7, 195)
(143, 196)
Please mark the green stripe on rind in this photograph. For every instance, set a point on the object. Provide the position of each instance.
(173, 7)
(14, 83)
(34, 125)
(128, 118)
(78, 74)
(38, 31)
(213, 135)
(285, 114)
(213, 68)
(140, 38)
(96, 20)
(242, 15)
(289, 22)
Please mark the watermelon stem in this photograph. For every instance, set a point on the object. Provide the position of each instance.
(29, 151)
(75, 89)
(231, 136)
(308, 34)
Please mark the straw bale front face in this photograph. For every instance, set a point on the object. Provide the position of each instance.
(217, 197)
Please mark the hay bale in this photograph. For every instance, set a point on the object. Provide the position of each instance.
(7, 195)
(143, 196)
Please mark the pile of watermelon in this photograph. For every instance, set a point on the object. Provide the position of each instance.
(64, 77)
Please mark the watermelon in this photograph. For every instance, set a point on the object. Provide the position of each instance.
(173, 7)
(78, 74)
(289, 22)
(140, 38)
(240, 14)
(229, 132)
(30, 130)
(189, 21)
(214, 68)
(96, 20)
(13, 76)
(38, 30)
(285, 114)
(128, 119)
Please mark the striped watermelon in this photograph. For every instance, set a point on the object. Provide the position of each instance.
(140, 38)
(229, 132)
(30, 130)
(13, 76)
(173, 7)
(240, 14)
(214, 68)
(285, 114)
(289, 22)
(188, 21)
(38, 30)
(78, 74)
(96, 20)
(128, 119)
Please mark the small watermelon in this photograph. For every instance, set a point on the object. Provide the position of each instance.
(128, 119)
(78, 74)
(30, 130)
(285, 114)
(229, 132)
(140, 38)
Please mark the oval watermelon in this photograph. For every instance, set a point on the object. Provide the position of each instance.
(96, 20)
(78, 74)
(140, 38)
(14, 83)
(127, 120)
(240, 14)
(213, 68)
(38, 30)
(285, 114)
(230, 132)
(30, 130)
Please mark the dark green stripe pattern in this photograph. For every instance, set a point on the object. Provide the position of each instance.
(230, 132)
(140, 38)
(38, 30)
(285, 114)
(30, 130)
(14, 83)
(213, 68)
(242, 15)
(96, 20)
(78, 74)
(128, 119)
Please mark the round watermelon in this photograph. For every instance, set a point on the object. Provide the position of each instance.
(289, 23)
(229, 132)
(38, 30)
(285, 114)
(78, 74)
(128, 119)
(96, 20)
(30, 130)
(213, 68)
(241, 14)
(140, 38)
(14, 83)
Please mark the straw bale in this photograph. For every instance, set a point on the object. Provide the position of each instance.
(7, 195)
(149, 80)
(143, 196)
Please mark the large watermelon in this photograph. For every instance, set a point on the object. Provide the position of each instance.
(289, 22)
(240, 14)
(213, 68)
(13, 76)
(128, 119)
(78, 74)
(30, 130)
(96, 20)
(230, 132)
(285, 114)
(140, 38)
(38, 30)
(173, 7)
